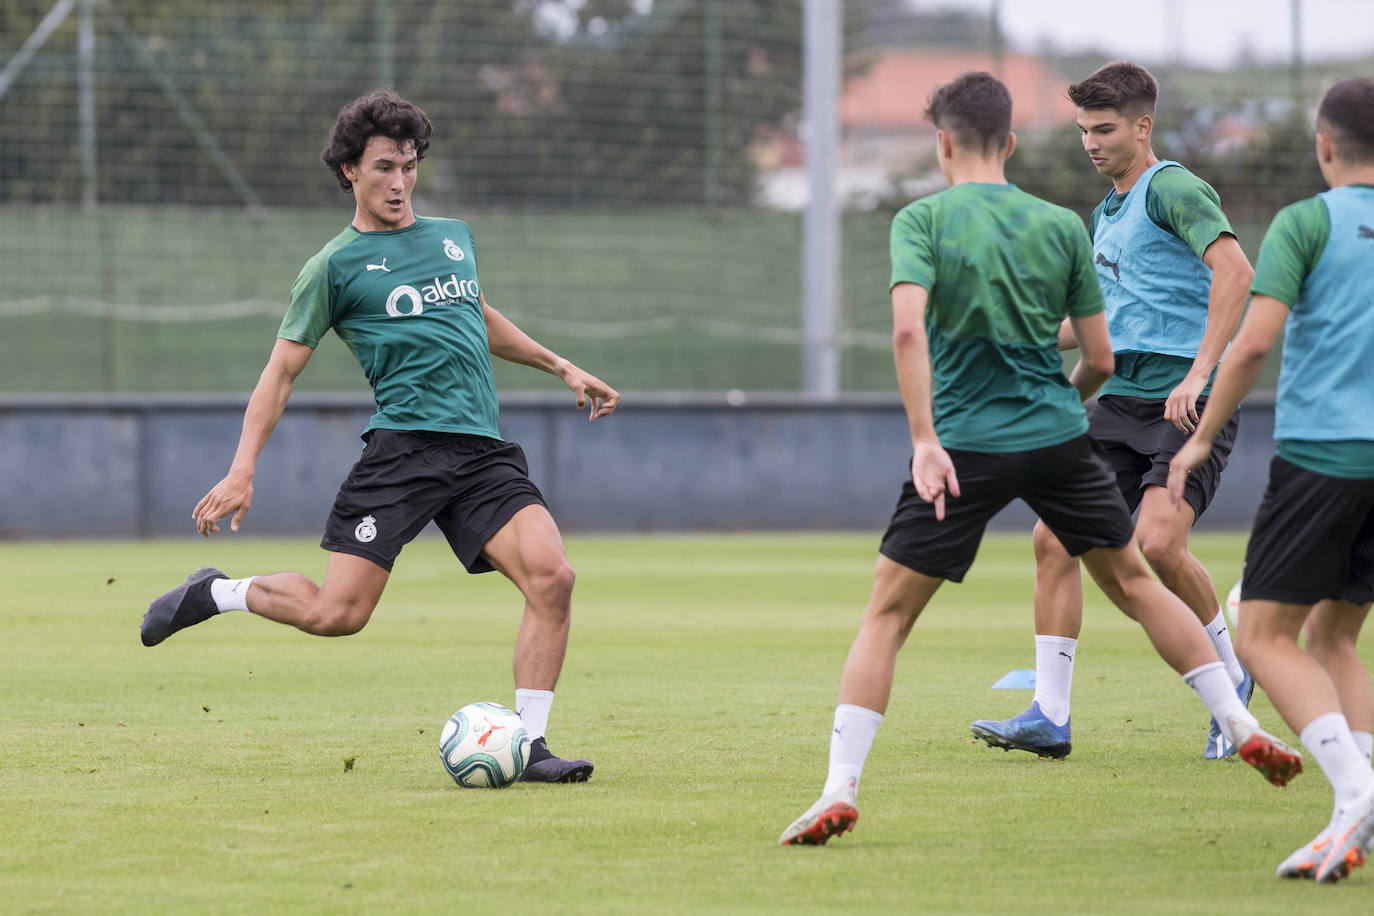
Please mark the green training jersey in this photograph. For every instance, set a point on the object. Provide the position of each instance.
(407, 304)
(1292, 248)
(1184, 205)
(1003, 270)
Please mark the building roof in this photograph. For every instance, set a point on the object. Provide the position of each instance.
(891, 93)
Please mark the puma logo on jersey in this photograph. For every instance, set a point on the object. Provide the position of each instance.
(381, 266)
(1116, 272)
(1366, 232)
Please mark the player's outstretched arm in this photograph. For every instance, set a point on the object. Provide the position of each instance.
(234, 493)
(1247, 356)
(1231, 276)
(510, 343)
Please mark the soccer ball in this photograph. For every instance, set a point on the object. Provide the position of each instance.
(1233, 605)
(484, 746)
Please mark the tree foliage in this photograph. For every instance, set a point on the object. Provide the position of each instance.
(1258, 168)
(535, 102)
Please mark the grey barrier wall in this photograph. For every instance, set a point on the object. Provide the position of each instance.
(132, 466)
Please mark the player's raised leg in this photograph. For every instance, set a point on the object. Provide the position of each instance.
(528, 550)
(899, 595)
(1122, 576)
(340, 607)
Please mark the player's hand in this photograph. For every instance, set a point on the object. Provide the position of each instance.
(932, 473)
(233, 494)
(1181, 407)
(591, 390)
(1186, 460)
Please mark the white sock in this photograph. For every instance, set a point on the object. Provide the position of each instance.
(231, 594)
(1054, 675)
(1213, 686)
(1328, 739)
(1365, 742)
(1221, 639)
(850, 740)
(532, 706)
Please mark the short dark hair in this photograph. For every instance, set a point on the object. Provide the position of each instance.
(1125, 88)
(975, 108)
(379, 113)
(1346, 115)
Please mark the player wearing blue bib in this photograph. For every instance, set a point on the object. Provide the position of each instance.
(1174, 279)
(403, 294)
(1310, 560)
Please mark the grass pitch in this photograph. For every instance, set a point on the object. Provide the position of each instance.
(244, 767)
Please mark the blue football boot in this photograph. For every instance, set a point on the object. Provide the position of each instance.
(1029, 731)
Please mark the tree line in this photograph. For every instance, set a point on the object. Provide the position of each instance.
(534, 103)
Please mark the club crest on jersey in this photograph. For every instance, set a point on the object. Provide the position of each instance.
(366, 530)
(406, 301)
(453, 251)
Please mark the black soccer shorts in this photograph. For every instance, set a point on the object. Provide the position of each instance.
(1313, 538)
(469, 486)
(1139, 444)
(1069, 485)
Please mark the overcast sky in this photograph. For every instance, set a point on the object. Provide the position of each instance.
(1208, 32)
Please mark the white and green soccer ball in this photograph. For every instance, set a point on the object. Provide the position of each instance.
(484, 746)
(1233, 605)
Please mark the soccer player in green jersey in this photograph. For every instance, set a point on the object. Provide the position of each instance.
(1175, 279)
(983, 274)
(402, 292)
(1310, 559)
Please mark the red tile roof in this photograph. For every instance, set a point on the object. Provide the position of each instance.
(891, 93)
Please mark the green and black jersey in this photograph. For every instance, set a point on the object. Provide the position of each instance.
(407, 304)
(1003, 270)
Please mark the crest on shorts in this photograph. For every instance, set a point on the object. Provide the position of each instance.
(452, 250)
(366, 530)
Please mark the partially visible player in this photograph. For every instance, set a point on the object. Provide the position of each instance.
(1311, 552)
(982, 276)
(402, 292)
(1175, 281)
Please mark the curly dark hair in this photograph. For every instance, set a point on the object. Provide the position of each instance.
(1125, 88)
(976, 108)
(1346, 116)
(379, 113)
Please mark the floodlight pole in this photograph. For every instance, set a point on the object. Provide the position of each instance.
(386, 46)
(1295, 64)
(999, 46)
(821, 50)
(711, 97)
(85, 87)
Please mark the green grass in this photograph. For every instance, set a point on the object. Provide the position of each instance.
(207, 774)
